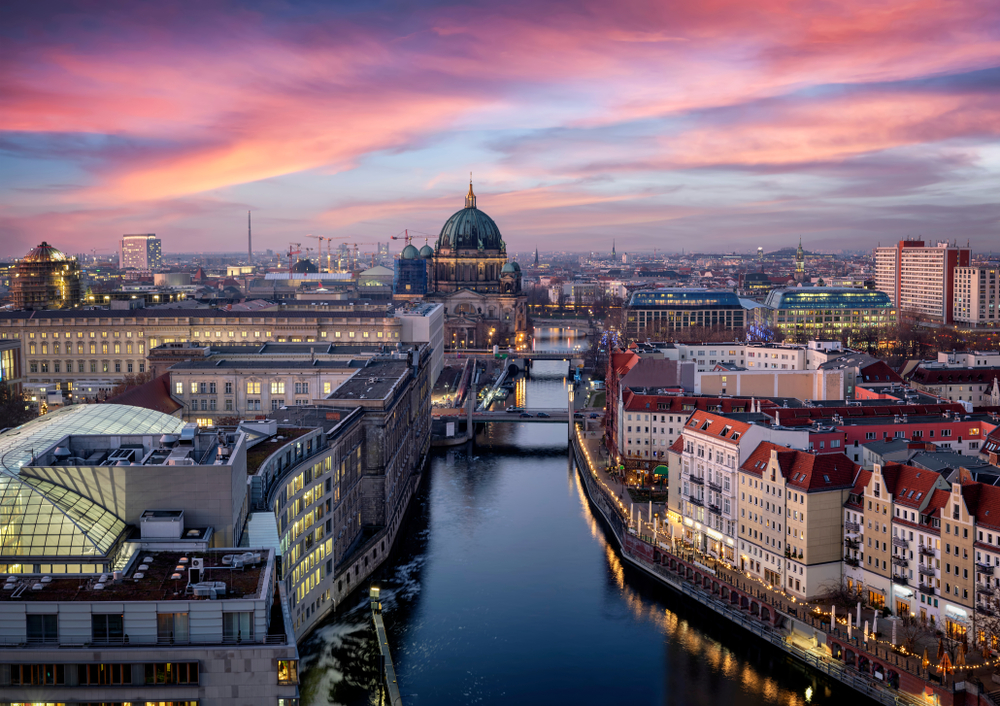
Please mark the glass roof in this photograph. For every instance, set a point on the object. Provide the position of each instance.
(39, 518)
(678, 296)
(827, 298)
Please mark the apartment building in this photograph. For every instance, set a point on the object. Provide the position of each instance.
(967, 381)
(977, 296)
(791, 517)
(140, 252)
(920, 279)
(798, 384)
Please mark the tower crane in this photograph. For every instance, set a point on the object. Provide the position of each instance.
(293, 249)
(319, 251)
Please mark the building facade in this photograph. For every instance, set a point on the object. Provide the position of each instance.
(818, 312)
(140, 252)
(920, 279)
(977, 296)
(46, 279)
(661, 313)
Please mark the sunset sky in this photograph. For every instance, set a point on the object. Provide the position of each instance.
(696, 124)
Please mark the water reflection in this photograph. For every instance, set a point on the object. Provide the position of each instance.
(507, 589)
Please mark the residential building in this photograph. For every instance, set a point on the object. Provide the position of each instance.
(791, 517)
(977, 296)
(798, 384)
(920, 279)
(972, 378)
(139, 252)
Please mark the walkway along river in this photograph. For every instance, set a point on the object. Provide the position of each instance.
(508, 589)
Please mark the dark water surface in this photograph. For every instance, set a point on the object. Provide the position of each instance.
(506, 590)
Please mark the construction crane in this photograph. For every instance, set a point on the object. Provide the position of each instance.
(296, 251)
(319, 249)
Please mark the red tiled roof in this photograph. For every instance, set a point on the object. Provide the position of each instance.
(621, 363)
(988, 505)
(716, 427)
(909, 485)
(878, 371)
(154, 395)
(792, 413)
(678, 445)
(939, 498)
(635, 402)
(802, 469)
(952, 376)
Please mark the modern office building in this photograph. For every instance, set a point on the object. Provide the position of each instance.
(139, 252)
(824, 312)
(977, 296)
(920, 279)
(46, 279)
(664, 312)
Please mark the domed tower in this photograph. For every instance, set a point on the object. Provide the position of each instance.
(470, 251)
(510, 278)
(46, 279)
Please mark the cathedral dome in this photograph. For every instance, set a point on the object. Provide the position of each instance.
(470, 229)
(304, 266)
(511, 267)
(409, 252)
(427, 252)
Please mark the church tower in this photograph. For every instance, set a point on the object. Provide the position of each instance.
(800, 263)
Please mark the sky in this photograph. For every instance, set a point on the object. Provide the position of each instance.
(696, 125)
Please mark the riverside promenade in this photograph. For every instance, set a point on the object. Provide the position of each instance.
(881, 671)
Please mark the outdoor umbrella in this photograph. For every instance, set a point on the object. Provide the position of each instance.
(924, 662)
(945, 664)
(940, 648)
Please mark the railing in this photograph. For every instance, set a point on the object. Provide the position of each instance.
(926, 550)
(852, 527)
(929, 590)
(986, 590)
(715, 486)
(852, 561)
(696, 500)
(900, 561)
(697, 480)
(926, 570)
(900, 542)
(714, 509)
(900, 579)
(852, 543)
(984, 569)
(116, 643)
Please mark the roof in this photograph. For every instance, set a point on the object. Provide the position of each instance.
(470, 229)
(673, 297)
(50, 520)
(910, 486)
(950, 376)
(827, 298)
(803, 470)
(168, 315)
(154, 395)
(633, 401)
(716, 427)
(850, 413)
(655, 373)
(987, 508)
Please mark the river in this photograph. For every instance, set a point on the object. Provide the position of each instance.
(506, 590)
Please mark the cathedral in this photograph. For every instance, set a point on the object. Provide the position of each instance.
(469, 274)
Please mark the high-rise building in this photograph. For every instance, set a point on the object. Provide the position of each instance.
(977, 295)
(46, 279)
(920, 279)
(140, 252)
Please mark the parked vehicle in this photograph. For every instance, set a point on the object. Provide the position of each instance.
(514, 410)
(525, 414)
(542, 414)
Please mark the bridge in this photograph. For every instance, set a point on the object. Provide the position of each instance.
(553, 416)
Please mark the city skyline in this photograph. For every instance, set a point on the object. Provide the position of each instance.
(725, 125)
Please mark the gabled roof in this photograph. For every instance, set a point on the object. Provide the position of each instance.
(154, 395)
(952, 376)
(622, 362)
(910, 486)
(716, 427)
(678, 445)
(987, 508)
(804, 470)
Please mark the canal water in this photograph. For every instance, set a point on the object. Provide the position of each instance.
(506, 590)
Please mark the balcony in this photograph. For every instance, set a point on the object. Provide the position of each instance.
(852, 561)
(714, 486)
(694, 500)
(852, 527)
(926, 550)
(900, 542)
(985, 609)
(926, 570)
(984, 589)
(901, 579)
(852, 543)
(929, 590)
(984, 569)
(900, 561)
(697, 480)
(715, 509)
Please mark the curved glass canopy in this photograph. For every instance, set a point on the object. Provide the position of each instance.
(41, 519)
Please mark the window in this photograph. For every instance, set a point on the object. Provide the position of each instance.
(43, 627)
(107, 628)
(253, 388)
(237, 626)
(229, 388)
(302, 388)
(172, 627)
(277, 387)
(211, 388)
(171, 673)
(103, 674)
(229, 405)
(327, 388)
(37, 674)
(288, 671)
(194, 388)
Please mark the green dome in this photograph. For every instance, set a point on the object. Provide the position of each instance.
(511, 267)
(427, 252)
(470, 229)
(409, 253)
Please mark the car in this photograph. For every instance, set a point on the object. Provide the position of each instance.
(594, 415)
(542, 414)
(525, 414)
(578, 415)
(514, 410)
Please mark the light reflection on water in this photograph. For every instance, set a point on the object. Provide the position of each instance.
(507, 590)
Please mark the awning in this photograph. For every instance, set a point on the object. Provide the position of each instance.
(661, 471)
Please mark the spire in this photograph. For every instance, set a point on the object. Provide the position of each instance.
(536, 256)
(470, 199)
(612, 249)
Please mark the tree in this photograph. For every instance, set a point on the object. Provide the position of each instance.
(130, 381)
(232, 421)
(13, 410)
